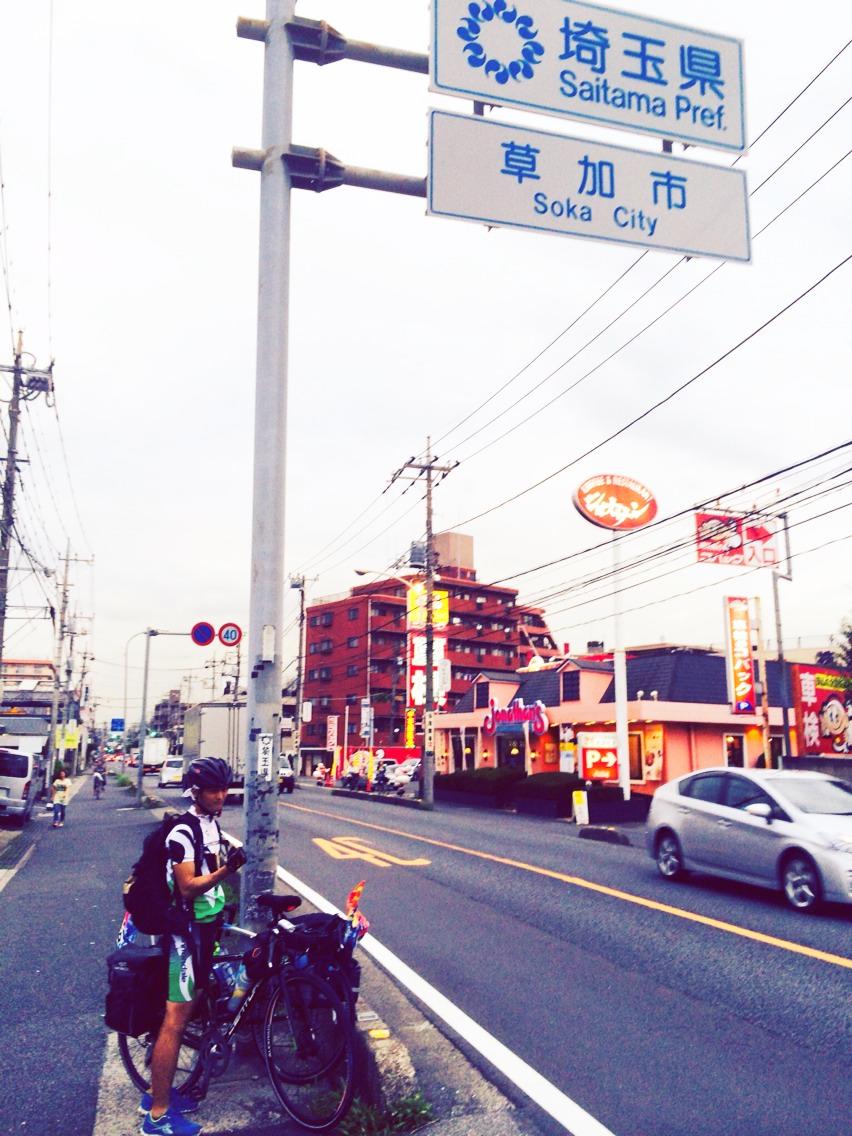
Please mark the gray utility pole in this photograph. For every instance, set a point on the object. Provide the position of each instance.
(282, 166)
(298, 582)
(777, 575)
(143, 724)
(57, 664)
(428, 466)
(270, 454)
(26, 384)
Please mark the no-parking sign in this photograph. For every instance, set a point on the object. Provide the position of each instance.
(203, 634)
(230, 634)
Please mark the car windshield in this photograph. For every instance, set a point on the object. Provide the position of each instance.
(827, 798)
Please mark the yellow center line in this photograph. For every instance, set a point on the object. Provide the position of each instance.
(602, 889)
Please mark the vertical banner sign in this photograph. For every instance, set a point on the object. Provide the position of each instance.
(366, 718)
(410, 717)
(429, 732)
(264, 757)
(741, 683)
(417, 669)
(331, 731)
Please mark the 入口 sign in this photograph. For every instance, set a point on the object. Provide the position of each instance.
(498, 174)
(731, 538)
(596, 64)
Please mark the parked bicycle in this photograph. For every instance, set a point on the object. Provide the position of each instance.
(296, 988)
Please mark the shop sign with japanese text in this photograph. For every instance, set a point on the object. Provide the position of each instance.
(823, 706)
(498, 174)
(741, 679)
(597, 64)
(417, 669)
(417, 607)
(614, 502)
(331, 731)
(735, 539)
(598, 756)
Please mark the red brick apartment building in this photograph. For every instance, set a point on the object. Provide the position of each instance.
(356, 645)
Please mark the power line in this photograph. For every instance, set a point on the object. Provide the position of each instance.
(660, 402)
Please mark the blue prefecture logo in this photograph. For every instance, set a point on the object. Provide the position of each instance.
(476, 22)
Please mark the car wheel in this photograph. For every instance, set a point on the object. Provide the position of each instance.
(669, 857)
(801, 883)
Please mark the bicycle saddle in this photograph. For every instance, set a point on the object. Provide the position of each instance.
(278, 904)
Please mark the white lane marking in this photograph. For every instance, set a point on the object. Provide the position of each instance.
(555, 1103)
(6, 874)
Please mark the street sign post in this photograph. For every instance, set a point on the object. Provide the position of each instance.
(230, 634)
(264, 757)
(116, 725)
(203, 634)
(591, 63)
(498, 174)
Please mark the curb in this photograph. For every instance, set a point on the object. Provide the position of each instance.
(382, 799)
(602, 832)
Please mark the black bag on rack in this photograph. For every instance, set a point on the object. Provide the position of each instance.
(138, 984)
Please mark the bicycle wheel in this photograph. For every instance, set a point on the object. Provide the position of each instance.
(136, 1053)
(310, 1051)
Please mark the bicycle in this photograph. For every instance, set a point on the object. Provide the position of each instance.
(300, 1006)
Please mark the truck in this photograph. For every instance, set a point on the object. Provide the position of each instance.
(217, 729)
(154, 753)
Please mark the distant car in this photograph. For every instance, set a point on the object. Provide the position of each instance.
(171, 772)
(789, 830)
(286, 776)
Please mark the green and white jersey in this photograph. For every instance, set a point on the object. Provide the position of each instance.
(181, 846)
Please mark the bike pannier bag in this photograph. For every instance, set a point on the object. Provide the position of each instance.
(136, 998)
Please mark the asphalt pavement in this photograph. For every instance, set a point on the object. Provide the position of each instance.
(60, 910)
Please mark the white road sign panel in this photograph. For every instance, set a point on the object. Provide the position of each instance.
(499, 174)
(593, 63)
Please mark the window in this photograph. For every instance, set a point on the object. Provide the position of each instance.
(734, 750)
(325, 674)
(352, 670)
(570, 686)
(327, 618)
(742, 792)
(326, 646)
(325, 702)
(352, 613)
(352, 641)
(314, 621)
(706, 787)
(313, 674)
(312, 650)
(480, 700)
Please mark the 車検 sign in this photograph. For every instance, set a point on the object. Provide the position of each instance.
(499, 174)
(596, 64)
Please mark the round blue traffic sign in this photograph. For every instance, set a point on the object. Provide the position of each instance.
(203, 634)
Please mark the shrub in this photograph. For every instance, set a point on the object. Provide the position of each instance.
(547, 786)
(491, 782)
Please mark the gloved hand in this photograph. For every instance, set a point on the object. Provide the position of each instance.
(236, 859)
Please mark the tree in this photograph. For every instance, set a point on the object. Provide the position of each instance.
(842, 651)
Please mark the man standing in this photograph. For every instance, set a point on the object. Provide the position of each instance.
(190, 956)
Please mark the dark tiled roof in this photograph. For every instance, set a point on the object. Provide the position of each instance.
(26, 727)
(685, 676)
(541, 686)
(601, 665)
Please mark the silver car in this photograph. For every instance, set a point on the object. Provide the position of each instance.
(783, 829)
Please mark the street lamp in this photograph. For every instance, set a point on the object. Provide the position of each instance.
(149, 633)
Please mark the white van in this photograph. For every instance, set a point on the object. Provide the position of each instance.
(19, 783)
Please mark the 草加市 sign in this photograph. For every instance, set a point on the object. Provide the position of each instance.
(615, 502)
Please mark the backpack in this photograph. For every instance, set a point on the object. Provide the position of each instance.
(154, 909)
(136, 998)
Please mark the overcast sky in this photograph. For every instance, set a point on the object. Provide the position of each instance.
(402, 326)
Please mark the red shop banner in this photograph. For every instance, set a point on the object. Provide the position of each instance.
(741, 682)
(823, 708)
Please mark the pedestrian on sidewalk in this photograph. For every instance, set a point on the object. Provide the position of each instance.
(59, 796)
(190, 956)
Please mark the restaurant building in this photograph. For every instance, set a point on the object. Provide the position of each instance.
(560, 715)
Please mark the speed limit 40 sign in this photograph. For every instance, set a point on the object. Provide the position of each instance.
(230, 634)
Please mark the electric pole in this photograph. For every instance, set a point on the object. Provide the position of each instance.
(26, 384)
(298, 582)
(428, 466)
(57, 663)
